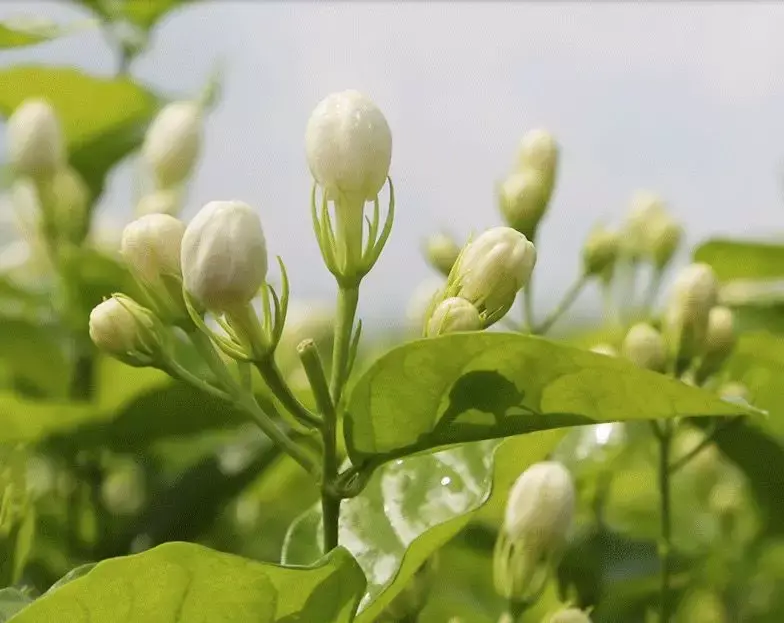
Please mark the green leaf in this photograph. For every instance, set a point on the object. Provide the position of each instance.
(739, 259)
(32, 354)
(472, 386)
(19, 34)
(142, 14)
(12, 601)
(103, 119)
(28, 421)
(186, 582)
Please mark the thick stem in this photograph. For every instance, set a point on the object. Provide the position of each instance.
(348, 298)
(248, 403)
(569, 297)
(664, 435)
(330, 497)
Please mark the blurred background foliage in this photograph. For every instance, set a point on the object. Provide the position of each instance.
(100, 460)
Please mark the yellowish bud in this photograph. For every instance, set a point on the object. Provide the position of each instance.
(36, 146)
(600, 251)
(453, 315)
(523, 198)
(442, 252)
(645, 347)
(694, 294)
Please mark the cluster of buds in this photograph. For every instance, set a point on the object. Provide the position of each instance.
(525, 194)
(349, 150)
(538, 517)
(38, 155)
(650, 232)
(170, 151)
(483, 282)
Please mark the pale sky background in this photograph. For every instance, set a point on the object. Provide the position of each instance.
(686, 99)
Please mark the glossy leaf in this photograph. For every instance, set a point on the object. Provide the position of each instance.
(186, 582)
(103, 119)
(740, 259)
(472, 386)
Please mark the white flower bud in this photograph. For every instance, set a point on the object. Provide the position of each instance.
(151, 246)
(451, 316)
(173, 142)
(124, 490)
(491, 271)
(570, 615)
(523, 198)
(664, 238)
(600, 251)
(538, 517)
(734, 391)
(224, 255)
(541, 505)
(694, 294)
(720, 336)
(646, 210)
(645, 347)
(539, 151)
(124, 329)
(442, 252)
(164, 201)
(604, 349)
(349, 145)
(71, 204)
(35, 140)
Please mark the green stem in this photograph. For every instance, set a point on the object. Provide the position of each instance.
(652, 293)
(569, 297)
(664, 433)
(247, 403)
(175, 370)
(348, 298)
(330, 497)
(528, 305)
(706, 441)
(274, 379)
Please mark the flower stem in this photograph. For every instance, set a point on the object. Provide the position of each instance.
(245, 401)
(348, 298)
(274, 379)
(569, 297)
(330, 497)
(664, 433)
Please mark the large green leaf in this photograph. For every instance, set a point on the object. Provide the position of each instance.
(472, 386)
(104, 119)
(33, 354)
(28, 421)
(409, 509)
(739, 259)
(186, 582)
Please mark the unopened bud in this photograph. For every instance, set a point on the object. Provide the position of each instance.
(705, 465)
(734, 391)
(491, 271)
(129, 332)
(71, 199)
(173, 142)
(224, 255)
(646, 210)
(35, 140)
(124, 490)
(569, 615)
(163, 201)
(600, 251)
(538, 516)
(442, 252)
(664, 238)
(605, 349)
(539, 151)
(349, 145)
(720, 336)
(523, 199)
(694, 294)
(451, 316)
(644, 346)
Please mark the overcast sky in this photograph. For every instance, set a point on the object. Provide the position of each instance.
(686, 99)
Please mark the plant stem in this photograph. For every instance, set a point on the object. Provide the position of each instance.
(569, 297)
(330, 498)
(274, 379)
(652, 293)
(348, 298)
(247, 403)
(528, 305)
(664, 434)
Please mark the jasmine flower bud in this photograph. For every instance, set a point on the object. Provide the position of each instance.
(452, 315)
(645, 347)
(539, 152)
(442, 252)
(523, 200)
(129, 332)
(35, 140)
(349, 145)
(224, 256)
(491, 270)
(694, 293)
(173, 142)
(600, 251)
(151, 247)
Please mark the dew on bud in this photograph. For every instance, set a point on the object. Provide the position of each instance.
(173, 142)
(224, 255)
(349, 145)
(645, 347)
(36, 146)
